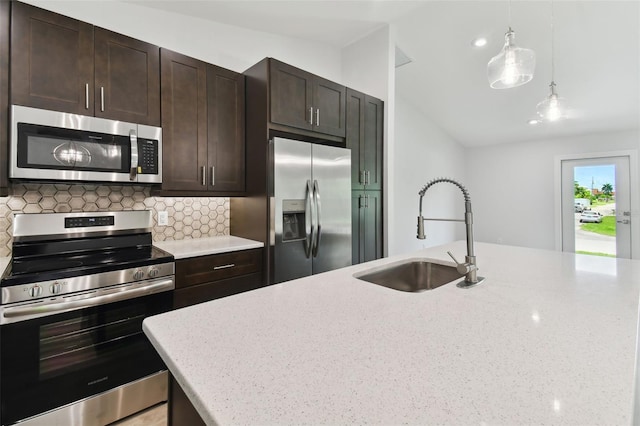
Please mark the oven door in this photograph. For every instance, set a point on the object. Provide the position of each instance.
(51, 361)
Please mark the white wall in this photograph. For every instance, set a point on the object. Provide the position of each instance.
(423, 152)
(227, 46)
(512, 185)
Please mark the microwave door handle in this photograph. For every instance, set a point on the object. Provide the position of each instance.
(133, 139)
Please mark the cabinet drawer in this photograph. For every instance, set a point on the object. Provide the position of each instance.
(205, 269)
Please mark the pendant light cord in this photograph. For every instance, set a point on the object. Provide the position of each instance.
(509, 15)
(552, 45)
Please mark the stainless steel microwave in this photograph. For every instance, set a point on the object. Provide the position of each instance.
(51, 145)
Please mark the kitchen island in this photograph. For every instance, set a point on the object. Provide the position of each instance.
(548, 338)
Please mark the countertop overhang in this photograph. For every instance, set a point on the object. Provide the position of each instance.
(549, 338)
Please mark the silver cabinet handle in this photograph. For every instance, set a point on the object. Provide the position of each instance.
(624, 221)
(213, 176)
(102, 99)
(361, 176)
(230, 265)
(204, 176)
(86, 96)
(133, 140)
(360, 201)
(311, 115)
(366, 197)
(318, 117)
(367, 179)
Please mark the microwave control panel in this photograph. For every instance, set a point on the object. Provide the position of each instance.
(147, 156)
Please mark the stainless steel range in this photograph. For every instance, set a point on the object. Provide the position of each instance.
(74, 296)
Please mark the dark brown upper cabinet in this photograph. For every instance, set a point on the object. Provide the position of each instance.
(127, 78)
(226, 148)
(364, 137)
(51, 60)
(203, 127)
(184, 122)
(5, 16)
(305, 101)
(62, 64)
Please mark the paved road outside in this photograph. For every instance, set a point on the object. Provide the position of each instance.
(592, 242)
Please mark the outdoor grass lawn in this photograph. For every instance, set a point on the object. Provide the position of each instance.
(606, 227)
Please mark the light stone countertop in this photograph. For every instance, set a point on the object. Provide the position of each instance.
(548, 338)
(181, 249)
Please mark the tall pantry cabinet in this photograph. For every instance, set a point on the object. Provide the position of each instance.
(364, 136)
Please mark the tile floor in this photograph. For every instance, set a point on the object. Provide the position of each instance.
(153, 416)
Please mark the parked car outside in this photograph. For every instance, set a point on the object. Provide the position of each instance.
(578, 208)
(588, 216)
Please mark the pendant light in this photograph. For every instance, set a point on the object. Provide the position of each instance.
(552, 108)
(513, 66)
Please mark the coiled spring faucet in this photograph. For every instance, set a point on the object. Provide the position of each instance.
(469, 267)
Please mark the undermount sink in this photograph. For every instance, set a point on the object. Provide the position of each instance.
(412, 276)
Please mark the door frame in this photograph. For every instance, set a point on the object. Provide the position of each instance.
(633, 191)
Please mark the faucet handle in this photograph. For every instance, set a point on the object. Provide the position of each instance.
(462, 268)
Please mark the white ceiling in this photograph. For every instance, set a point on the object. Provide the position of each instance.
(597, 56)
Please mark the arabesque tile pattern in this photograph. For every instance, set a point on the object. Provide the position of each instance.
(189, 217)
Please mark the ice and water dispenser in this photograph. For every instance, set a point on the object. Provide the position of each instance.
(293, 220)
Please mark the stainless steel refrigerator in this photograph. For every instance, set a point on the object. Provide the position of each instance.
(310, 208)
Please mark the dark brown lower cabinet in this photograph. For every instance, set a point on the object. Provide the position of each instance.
(181, 411)
(203, 278)
(366, 225)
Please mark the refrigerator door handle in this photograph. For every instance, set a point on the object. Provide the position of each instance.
(308, 221)
(316, 202)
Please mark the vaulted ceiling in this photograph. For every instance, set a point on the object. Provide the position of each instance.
(597, 56)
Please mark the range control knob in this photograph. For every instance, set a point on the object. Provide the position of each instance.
(138, 274)
(55, 288)
(153, 272)
(35, 291)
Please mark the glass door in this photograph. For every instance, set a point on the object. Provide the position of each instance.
(596, 206)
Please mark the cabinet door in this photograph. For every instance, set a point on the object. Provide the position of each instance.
(127, 78)
(51, 61)
(291, 95)
(226, 150)
(4, 92)
(366, 224)
(355, 135)
(365, 122)
(184, 122)
(357, 242)
(372, 226)
(371, 149)
(329, 102)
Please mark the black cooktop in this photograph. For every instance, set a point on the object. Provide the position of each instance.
(43, 261)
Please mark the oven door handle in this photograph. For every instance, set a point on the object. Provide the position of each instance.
(103, 297)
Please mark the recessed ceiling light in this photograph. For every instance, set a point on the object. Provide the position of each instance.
(533, 121)
(479, 42)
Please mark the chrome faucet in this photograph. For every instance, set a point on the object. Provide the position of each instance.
(469, 267)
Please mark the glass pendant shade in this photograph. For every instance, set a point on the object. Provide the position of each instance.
(513, 66)
(553, 107)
